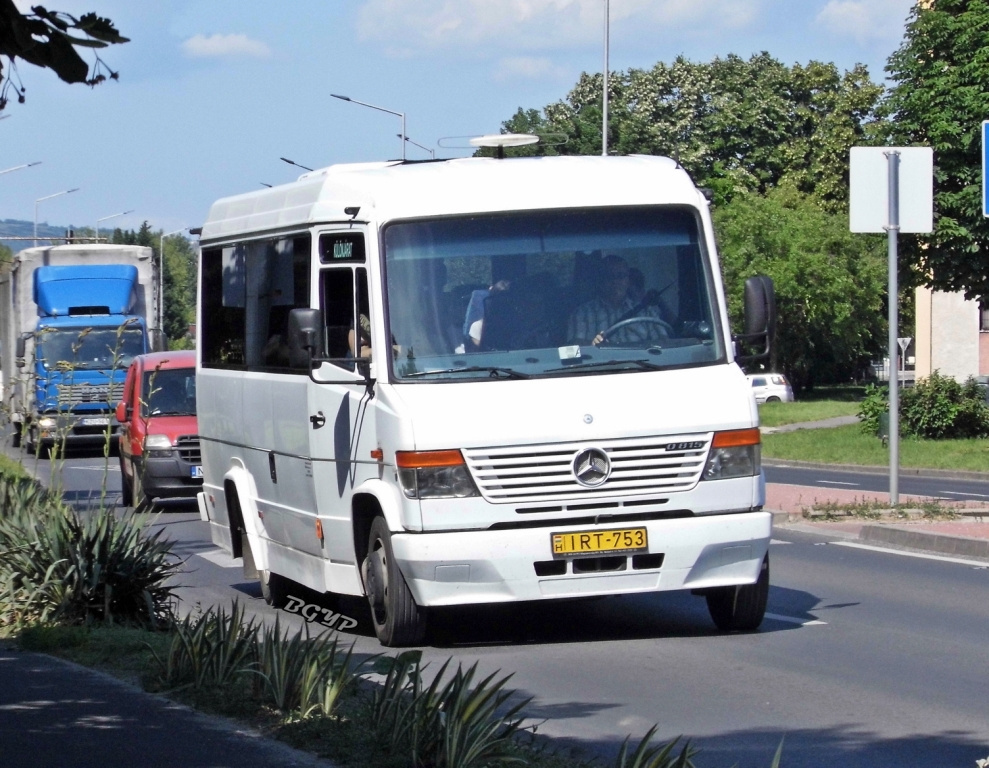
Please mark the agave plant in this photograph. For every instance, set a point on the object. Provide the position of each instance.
(57, 566)
(209, 649)
(456, 724)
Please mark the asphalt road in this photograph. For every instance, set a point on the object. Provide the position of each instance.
(865, 659)
(941, 487)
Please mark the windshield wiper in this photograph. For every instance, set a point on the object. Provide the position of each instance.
(643, 364)
(494, 371)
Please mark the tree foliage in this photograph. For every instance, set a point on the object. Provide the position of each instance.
(772, 142)
(179, 280)
(736, 125)
(830, 284)
(51, 39)
(941, 76)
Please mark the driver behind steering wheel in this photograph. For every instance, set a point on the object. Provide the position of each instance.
(613, 305)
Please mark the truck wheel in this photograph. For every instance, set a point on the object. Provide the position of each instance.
(138, 497)
(397, 619)
(740, 608)
(274, 589)
(126, 496)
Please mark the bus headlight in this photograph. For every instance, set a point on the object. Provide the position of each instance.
(736, 453)
(434, 475)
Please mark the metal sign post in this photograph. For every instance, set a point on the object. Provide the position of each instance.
(877, 207)
(892, 230)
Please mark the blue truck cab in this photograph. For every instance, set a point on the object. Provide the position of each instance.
(75, 316)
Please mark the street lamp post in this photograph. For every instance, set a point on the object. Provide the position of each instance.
(380, 109)
(18, 167)
(161, 278)
(111, 216)
(432, 154)
(604, 126)
(41, 200)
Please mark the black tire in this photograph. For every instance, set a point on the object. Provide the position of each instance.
(274, 589)
(773, 399)
(126, 495)
(139, 498)
(740, 608)
(397, 619)
(15, 440)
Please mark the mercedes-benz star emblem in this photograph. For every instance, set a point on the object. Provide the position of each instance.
(591, 467)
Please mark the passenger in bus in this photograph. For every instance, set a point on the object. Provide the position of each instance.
(474, 319)
(613, 305)
(363, 337)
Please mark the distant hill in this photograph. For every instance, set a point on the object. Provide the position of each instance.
(11, 228)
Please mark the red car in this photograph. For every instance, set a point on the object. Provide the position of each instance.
(159, 440)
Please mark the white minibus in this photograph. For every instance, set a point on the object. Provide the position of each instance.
(481, 380)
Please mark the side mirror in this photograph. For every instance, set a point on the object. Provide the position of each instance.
(20, 350)
(760, 317)
(305, 336)
(121, 412)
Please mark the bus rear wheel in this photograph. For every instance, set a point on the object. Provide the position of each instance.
(398, 620)
(274, 589)
(740, 608)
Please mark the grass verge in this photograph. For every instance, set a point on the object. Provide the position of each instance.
(778, 414)
(849, 445)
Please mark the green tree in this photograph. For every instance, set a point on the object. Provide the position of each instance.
(736, 125)
(941, 76)
(50, 39)
(180, 290)
(830, 284)
(178, 280)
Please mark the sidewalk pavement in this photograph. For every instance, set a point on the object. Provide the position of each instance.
(55, 713)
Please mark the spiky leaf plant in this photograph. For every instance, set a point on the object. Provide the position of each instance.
(58, 566)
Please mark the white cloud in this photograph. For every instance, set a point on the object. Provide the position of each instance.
(408, 26)
(225, 46)
(530, 68)
(865, 20)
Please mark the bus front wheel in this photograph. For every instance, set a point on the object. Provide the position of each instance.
(740, 608)
(397, 619)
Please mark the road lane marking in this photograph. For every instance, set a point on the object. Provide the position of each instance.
(837, 482)
(795, 620)
(778, 541)
(960, 493)
(921, 555)
(220, 558)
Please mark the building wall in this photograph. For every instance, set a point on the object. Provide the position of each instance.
(948, 337)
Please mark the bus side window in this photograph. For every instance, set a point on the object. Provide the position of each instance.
(337, 296)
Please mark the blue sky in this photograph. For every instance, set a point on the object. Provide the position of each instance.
(212, 93)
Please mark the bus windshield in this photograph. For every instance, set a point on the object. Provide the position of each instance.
(88, 348)
(550, 293)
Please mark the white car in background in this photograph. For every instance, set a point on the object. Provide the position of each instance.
(770, 388)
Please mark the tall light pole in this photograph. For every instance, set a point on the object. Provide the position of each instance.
(41, 200)
(432, 154)
(604, 120)
(161, 278)
(18, 167)
(292, 162)
(380, 109)
(111, 216)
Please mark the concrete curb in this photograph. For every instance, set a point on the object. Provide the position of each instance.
(926, 541)
(893, 537)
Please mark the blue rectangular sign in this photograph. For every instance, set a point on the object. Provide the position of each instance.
(985, 167)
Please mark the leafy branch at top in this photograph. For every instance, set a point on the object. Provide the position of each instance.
(50, 39)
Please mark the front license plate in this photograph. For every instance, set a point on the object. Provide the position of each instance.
(95, 421)
(599, 542)
(197, 472)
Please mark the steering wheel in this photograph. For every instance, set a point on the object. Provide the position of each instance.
(667, 328)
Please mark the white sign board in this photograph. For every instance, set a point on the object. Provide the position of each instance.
(868, 178)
